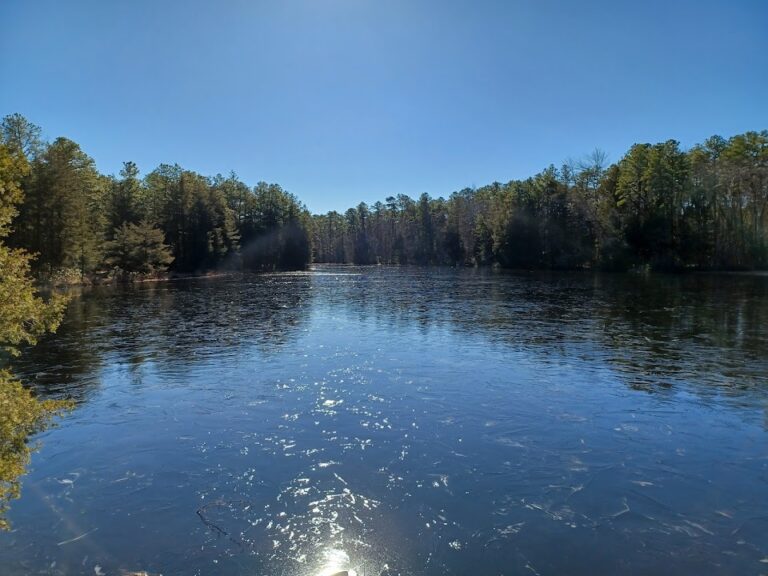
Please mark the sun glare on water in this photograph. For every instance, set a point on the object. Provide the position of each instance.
(336, 563)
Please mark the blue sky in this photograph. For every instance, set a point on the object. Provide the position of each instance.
(341, 100)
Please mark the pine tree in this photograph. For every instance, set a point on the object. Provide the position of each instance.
(138, 248)
(24, 316)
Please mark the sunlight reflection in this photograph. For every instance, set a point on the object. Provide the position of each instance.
(336, 563)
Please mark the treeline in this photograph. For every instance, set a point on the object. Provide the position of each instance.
(79, 222)
(659, 207)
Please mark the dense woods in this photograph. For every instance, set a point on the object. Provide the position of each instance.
(658, 207)
(80, 223)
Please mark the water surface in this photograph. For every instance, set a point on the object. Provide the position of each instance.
(404, 421)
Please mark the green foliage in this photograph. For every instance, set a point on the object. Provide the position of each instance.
(275, 230)
(62, 216)
(70, 213)
(24, 316)
(124, 199)
(659, 207)
(138, 248)
(194, 216)
(13, 167)
(21, 135)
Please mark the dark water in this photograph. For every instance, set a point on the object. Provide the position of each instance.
(404, 421)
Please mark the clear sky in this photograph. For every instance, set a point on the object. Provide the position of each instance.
(341, 101)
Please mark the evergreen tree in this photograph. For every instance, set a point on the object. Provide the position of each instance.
(138, 248)
(24, 316)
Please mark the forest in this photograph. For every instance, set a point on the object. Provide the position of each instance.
(81, 224)
(659, 207)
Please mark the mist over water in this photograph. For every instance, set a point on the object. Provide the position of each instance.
(403, 421)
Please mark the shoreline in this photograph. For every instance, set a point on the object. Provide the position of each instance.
(178, 276)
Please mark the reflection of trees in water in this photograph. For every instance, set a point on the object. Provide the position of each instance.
(187, 322)
(704, 329)
(707, 331)
(66, 363)
(655, 330)
(173, 325)
(23, 416)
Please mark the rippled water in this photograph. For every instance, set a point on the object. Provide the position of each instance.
(404, 421)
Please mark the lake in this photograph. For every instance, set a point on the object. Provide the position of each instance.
(409, 421)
